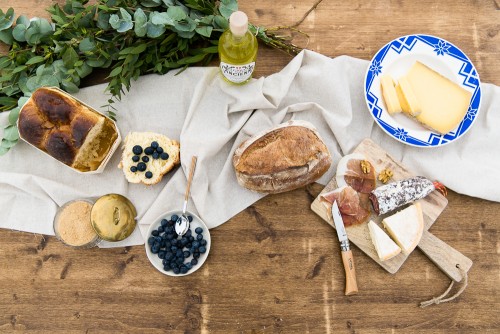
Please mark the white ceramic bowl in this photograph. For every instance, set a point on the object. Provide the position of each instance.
(197, 222)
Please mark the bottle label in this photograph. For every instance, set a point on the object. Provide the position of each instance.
(237, 73)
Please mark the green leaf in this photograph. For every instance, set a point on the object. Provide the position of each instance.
(227, 7)
(186, 25)
(139, 49)
(22, 100)
(19, 69)
(6, 19)
(69, 87)
(86, 45)
(8, 144)
(176, 13)
(83, 70)
(6, 36)
(141, 23)
(221, 22)
(103, 19)
(191, 60)
(157, 18)
(186, 34)
(14, 115)
(151, 3)
(169, 3)
(24, 20)
(19, 32)
(115, 72)
(11, 133)
(34, 83)
(4, 62)
(35, 60)
(204, 31)
(69, 57)
(125, 15)
(155, 30)
(96, 62)
(8, 101)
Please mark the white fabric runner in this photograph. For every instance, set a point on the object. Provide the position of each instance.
(211, 118)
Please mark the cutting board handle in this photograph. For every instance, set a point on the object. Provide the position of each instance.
(444, 256)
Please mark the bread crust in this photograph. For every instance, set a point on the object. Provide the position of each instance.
(283, 158)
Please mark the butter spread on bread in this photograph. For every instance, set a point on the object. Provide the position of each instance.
(156, 166)
(286, 157)
(406, 227)
(64, 128)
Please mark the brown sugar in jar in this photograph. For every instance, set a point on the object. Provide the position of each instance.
(72, 225)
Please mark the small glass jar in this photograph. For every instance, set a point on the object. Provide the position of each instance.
(73, 226)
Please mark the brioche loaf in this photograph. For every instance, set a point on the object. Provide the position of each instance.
(283, 158)
(59, 125)
(155, 164)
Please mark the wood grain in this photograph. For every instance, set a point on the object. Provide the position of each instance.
(432, 205)
(275, 267)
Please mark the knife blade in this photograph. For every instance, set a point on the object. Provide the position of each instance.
(351, 286)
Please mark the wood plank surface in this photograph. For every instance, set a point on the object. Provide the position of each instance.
(275, 267)
(432, 205)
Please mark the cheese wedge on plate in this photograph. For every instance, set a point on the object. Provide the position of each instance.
(406, 227)
(443, 103)
(389, 93)
(409, 101)
(385, 247)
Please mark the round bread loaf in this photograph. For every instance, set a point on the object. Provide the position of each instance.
(59, 125)
(281, 159)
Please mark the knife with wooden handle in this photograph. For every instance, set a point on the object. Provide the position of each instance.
(351, 286)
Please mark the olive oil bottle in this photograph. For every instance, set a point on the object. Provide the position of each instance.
(237, 50)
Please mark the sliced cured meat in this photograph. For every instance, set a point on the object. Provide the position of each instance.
(352, 208)
(356, 171)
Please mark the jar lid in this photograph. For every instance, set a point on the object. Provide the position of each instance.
(113, 217)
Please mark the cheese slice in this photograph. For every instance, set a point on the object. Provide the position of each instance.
(385, 247)
(389, 94)
(406, 227)
(409, 101)
(443, 102)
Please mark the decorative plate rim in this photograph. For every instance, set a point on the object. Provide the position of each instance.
(398, 131)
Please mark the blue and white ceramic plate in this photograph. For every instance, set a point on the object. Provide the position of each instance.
(395, 59)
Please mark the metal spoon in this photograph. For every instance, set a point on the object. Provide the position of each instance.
(182, 223)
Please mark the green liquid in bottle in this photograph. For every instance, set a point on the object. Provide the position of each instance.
(237, 50)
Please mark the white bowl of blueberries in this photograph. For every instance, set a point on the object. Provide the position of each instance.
(176, 255)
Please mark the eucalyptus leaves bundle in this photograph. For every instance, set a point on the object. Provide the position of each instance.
(127, 37)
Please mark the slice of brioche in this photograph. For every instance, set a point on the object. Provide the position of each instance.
(406, 227)
(386, 248)
(158, 167)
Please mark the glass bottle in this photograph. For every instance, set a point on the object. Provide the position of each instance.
(237, 50)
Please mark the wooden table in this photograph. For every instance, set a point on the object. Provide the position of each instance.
(276, 266)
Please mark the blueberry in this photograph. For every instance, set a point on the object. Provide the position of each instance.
(161, 229)
(164, 222)
(176, 271)
(135, 158)
(169, 229)
(199, 230)
(166, 267)
(199, 237)
(196, 244)
(165, 261)
(158, 239)
(171, 223)
(159, 150)
(196, 254)
(141, 166)
(179, 244)
(202, 249)
(145, 158)
(137, 149)
(203, 242)
(189, 245)
(154, 144)
(151, 240)
(190, 218)
(179, 254)
(188, 233)
(133, 169)
(164, 156)
(156, 155)
(173, 248)
(148, 175)
(183, 270)
(170, 236)
(163, 243)
(149, 150)
(155, 248)
(194, 262)
(184, 241)
(168, 245)
(174, 218)
(161, 254)
(191, 239)
(173, 264)
(189, 265)
(169, 256)
(187, 254)
(155, 233)
(179, 261)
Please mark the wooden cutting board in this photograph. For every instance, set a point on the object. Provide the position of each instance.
(444, 256)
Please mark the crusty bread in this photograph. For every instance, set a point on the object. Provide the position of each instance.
(158, 167)
(283, 158)
(59, 125)
(406, 227)
(385, 247)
